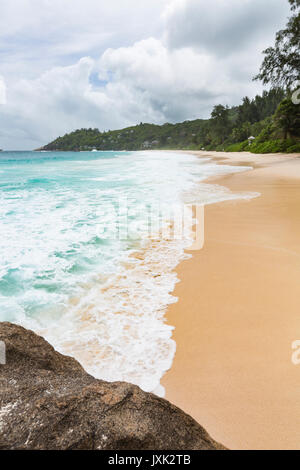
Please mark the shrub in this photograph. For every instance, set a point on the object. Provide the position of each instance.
(294, 148)
(275, 146)
(240, 147)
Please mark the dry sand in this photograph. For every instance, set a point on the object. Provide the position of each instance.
(239, 311)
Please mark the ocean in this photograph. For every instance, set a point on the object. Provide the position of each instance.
(77, 263)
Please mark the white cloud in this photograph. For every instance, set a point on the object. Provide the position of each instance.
(39, 34)
(174, 84)
(60, 100)
(69, 64)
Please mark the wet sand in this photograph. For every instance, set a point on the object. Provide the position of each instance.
(239, 311)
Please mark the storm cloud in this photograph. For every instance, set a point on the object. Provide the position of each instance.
(223, 27)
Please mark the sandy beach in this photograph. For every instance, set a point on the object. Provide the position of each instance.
(239, 311)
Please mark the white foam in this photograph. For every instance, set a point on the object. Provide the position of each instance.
(109, 313)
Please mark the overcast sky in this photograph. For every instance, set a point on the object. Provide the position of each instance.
(67, 64)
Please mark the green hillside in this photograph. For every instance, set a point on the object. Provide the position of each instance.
(138, 137)
(228, 129)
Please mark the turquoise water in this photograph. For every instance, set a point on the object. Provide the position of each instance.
(75, 264)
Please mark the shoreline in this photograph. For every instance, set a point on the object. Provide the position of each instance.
(239, 310)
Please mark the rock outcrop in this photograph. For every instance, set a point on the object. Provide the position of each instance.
(47, 401)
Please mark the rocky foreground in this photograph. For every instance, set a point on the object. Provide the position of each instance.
(48, 401)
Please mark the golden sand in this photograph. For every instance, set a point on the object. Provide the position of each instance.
(239, 311)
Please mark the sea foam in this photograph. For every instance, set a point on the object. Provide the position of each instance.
(65, 274)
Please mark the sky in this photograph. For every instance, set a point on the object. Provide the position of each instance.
(68, 64)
